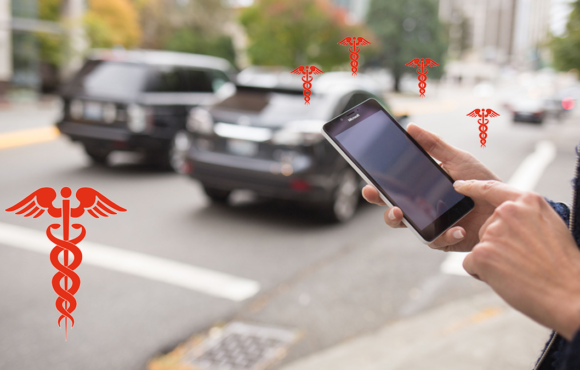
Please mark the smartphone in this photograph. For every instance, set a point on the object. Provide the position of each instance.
(385, 156)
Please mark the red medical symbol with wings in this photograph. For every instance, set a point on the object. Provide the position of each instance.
(354, 42)
(307, 78)
(422, 71)
(91, 201)
(483, 120)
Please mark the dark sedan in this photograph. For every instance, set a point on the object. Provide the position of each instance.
(139, 100)
(267, 140)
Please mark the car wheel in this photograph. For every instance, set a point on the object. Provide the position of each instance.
(97, 155)
(345, 198)
(216, 195)
(177, 154)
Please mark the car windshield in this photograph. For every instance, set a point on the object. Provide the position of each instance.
(122, 80)
(109, 79)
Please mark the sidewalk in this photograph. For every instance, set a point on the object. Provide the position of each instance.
(478, 333)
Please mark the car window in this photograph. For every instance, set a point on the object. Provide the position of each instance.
(275, 107)
(177, 79)
(219, 79)
(109, 79)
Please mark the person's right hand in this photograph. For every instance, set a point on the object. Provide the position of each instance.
(460, 165)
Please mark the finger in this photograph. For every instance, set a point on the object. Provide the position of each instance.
(371, 194)
(450, 237)
(433, 144)
(485, 225)
(470, 267)
(394, 217)
(494, 192)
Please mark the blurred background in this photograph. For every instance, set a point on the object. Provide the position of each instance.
(246, 244)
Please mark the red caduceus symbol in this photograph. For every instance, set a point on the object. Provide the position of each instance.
(42, 200)
(307, 79)
(483, 120)
(354, 42)
(422, 71)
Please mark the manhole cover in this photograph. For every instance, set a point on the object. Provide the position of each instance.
(236, 346)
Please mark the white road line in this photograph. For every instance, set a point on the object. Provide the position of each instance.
(531, 169)
(154, 268)
(453, 264)
(526, 178)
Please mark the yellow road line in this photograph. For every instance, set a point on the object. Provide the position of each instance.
(481, 316)
(28, 137)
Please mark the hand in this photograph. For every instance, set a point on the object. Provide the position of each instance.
(460, 165)
(527, 255)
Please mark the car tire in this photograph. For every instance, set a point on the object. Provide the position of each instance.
(217, 195)
(97, 155)
(345, 198)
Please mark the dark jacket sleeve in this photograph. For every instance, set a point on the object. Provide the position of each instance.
(570, 354)
(562, 209)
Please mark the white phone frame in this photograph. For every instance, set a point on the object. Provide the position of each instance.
(383, 197)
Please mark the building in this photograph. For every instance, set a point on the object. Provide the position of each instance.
(502, 32)
(356, 9)
(5, 46)
(19, 53)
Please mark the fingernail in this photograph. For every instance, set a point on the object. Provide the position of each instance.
(458, 234)
(392, 214)
(458, 183)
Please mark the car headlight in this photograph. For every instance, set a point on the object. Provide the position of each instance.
(137, 120)
(199, 120)
(299, 133)
(109, 112)
(76, 109)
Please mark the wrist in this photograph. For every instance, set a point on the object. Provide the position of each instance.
(568, 319)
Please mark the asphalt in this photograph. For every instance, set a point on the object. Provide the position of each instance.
(478, 333)
(337, 284)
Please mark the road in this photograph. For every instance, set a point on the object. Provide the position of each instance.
(331, 282)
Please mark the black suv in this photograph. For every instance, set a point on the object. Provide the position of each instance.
(265, 139)
(139, 101)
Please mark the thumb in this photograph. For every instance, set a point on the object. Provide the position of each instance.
(494, 192)
(433, 144)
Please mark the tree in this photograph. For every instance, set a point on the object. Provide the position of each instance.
(407, 29)
(187, 40)
(51, 46)
(187, 26)
(112, 23)
(566, 49)
(297, 32)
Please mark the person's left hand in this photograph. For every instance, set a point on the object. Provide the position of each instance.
(527, 255)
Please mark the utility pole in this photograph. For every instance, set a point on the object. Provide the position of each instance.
(73, 12)
(5, 47)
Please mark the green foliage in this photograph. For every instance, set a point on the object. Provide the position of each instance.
(407, 29)
(188, 41)
(111, 23)
(566, 49)
(50, 46)
(296, 32)
(194, 26)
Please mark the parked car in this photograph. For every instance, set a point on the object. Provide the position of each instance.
(139, 100)
(536, 110)
(267, 140)
(528, 110)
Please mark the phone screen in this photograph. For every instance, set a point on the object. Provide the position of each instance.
(400, 168)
